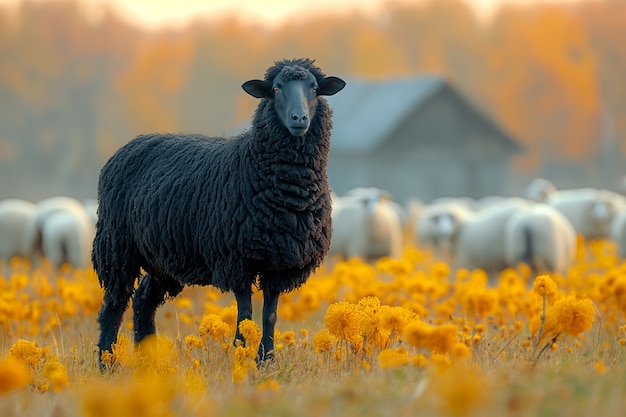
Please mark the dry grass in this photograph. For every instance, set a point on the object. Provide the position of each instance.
(402, 337)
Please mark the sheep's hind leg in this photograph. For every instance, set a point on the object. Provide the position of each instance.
(244, 311)
(149, 295)
(110, 319)
(266, 348)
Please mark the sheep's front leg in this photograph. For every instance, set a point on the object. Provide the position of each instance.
(244, 311)
(149, 295)
(266, 348)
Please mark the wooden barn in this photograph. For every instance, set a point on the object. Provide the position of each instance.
(416, 137)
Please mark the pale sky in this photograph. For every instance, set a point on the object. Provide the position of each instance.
(155, 13)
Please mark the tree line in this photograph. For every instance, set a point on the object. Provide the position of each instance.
(75, 85)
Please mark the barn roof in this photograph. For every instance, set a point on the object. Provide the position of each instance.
(366, 112)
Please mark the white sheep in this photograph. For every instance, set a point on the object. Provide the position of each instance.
(67, 237)
(436, 222)
(365, 225)
(541, 237)
(380, 194)
(590, 210)
(479, 241)
(508, 233)
(540, 190)
(47, 209)
(15, 216)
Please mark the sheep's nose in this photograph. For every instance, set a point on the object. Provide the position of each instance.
(299, 117)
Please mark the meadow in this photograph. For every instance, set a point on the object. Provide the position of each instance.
(395, 337)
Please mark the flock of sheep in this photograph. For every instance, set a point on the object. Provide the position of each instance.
(538, 229)
(58, 228)
(494, 233)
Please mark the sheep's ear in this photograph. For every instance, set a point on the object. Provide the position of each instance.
(330, 86)
(257, 88)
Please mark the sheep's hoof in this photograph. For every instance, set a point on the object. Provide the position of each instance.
(263, 361)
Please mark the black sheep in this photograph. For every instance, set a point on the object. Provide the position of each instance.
(190, 209)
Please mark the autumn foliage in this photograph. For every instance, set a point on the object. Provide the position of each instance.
(77, 83)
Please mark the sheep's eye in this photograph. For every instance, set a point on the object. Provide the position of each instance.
(276, 90)
(315, 89)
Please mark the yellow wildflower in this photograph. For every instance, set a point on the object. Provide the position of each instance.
(214, 326)
(419, 361)
(440, 362)
(242, 364)
(480, 301)
(192, 341)
(121, 350)
(156, 353)
(439, 339)
(544, 286)
(571, 315)
(443, 338)
(394, 267)
(343, 320)
(309, 299)
(323, 341)
(13, 374)
(440, 270)
(417, 333)
(371, 326)
(460, 351)
(480, 328)
(393, 358)
(251, 333)
(288, 338)
(229, 316)
(107, 357)
(56, 374)
(396, 318)
(28, 352)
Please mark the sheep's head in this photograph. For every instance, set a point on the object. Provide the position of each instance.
(294, 86)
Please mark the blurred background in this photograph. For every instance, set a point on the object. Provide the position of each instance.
(79, 78)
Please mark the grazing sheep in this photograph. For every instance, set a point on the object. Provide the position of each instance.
(540, 190)
(541, 237)
(33, 242)
(67, 236)
(473, 239)
(16, 215)
(506, 234)
(190, 209)
(436, 223)
(366, 225)
(401, 211)
(480, 241)
(590, 210)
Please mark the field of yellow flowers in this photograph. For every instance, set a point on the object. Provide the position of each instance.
(398, 337)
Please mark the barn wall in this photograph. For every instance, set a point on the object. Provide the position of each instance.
(444, 149)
